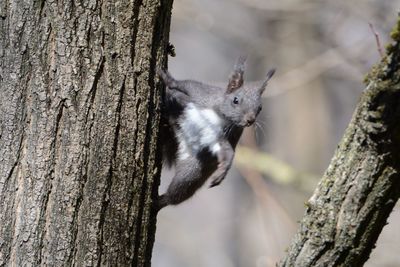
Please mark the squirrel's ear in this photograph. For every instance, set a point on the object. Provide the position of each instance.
(236, 78)
(267, 78)
(166, 78)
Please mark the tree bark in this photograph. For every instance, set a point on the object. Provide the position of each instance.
(353, 200)
(79, 116)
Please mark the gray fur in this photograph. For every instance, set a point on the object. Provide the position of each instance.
(204, 126)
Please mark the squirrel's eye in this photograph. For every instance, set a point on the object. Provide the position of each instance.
(235, 100)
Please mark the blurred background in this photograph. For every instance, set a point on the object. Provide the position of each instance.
(322, 51)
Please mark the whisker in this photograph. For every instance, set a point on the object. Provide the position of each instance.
(259, 126)
(228, 129)
(262, 123)
(256, 134)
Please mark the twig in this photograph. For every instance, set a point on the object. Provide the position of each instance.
(278, 171)
(275, 214)
(378, 42)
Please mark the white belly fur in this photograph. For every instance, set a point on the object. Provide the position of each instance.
(199, 129)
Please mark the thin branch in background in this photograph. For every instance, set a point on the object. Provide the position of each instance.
(312, 69)
(274, 213)
(277, 222)
(278, 171)
(377, 39)
(316, 66)
(260, 188)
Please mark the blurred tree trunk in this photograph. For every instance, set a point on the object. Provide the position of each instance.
(352, 202)
(79, 116)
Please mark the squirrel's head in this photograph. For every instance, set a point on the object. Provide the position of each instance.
(242, 104)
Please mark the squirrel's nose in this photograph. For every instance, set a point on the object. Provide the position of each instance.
(250, 120)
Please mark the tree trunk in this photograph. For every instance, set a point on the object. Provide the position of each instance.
(352, 202)
(79, 116)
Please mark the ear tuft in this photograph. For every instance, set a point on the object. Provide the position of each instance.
(270, 73)
(236, 78)
(267, 78)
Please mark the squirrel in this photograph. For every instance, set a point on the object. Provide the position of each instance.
(204, 126)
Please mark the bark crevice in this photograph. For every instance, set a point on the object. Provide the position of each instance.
(106, 195)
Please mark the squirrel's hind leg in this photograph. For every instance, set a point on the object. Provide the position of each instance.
(189, 177)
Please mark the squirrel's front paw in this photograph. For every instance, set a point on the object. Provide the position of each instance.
(217, 177)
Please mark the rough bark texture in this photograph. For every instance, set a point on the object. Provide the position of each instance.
(79, 116)
(352, 202)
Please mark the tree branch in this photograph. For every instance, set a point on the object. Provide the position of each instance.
(353, 200)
